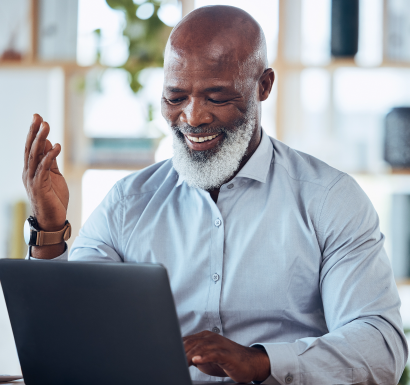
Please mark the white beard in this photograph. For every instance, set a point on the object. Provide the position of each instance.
(210, 169)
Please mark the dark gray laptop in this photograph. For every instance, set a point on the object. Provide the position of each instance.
(94, 323)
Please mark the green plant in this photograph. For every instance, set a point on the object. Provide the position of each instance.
(147, 38)
(405, 377)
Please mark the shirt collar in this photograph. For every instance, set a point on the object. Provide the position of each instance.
(257, 166)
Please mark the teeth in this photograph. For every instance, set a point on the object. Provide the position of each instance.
(201, 138)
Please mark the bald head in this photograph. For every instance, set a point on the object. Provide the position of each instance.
(215, 78)
(221, 36)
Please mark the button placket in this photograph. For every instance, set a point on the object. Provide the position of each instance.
(216, 259)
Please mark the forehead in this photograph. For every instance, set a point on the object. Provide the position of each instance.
(211, 67)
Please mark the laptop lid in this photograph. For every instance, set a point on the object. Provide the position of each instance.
(103, 323)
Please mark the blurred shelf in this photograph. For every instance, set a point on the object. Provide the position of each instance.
(77, 170)
(392, 173)
(339, 63)
(403, 282)
(400, 171)
(107, 166)
(24, 64)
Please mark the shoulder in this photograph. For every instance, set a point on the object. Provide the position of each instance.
(339, 197)
(147, 180)
(304, 168)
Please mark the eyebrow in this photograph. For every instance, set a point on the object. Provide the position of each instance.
(210, 89)
(215, 89)
(173, 89)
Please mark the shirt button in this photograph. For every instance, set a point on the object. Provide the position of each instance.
(215, 277)
(215, 330)
(230, 186)
(289, 379)
(217, 222)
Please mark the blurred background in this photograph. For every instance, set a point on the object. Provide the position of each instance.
(93, 70)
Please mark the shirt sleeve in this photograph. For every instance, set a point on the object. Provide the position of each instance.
(365, 343)
(100, 238)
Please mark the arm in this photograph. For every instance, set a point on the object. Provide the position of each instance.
(48, 195)
(365, 343)
(46, 188)
(100, 239)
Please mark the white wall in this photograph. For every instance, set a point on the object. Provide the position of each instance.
(22, 93)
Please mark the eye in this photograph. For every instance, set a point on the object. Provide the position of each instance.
(175, 101)
(218, 101)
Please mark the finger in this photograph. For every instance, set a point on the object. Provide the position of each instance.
(37, 149)
(201, 334)
(210, 357)
(201, 349)
(34, 127)
(47, 147)
(47, 162)
(198, 336)
(194, 342)
(190, 337)
(54, 166)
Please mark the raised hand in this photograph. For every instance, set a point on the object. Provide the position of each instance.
(218, 356)
(46, 187)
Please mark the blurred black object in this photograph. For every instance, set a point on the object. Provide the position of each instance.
(345, 28)
(397, 137)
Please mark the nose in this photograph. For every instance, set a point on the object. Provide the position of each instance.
(196, 113)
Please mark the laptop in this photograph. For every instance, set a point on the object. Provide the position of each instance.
(94, 323)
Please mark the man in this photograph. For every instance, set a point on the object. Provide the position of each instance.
(275, 259)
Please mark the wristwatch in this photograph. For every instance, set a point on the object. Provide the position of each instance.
(36, 237)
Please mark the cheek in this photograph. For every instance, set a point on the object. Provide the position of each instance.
(228, 114)
(170, 113)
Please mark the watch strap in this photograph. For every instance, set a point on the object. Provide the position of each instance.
(45, 238)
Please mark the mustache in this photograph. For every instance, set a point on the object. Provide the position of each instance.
(188, 129)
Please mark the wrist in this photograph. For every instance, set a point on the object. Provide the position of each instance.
(48, 251)
(262, 364)
(35, 235)
(49, 221)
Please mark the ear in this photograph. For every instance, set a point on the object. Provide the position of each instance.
(266, 83)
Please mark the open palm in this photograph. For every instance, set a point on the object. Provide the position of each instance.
(45, 185)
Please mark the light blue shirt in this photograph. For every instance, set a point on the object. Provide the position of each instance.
(290, 257)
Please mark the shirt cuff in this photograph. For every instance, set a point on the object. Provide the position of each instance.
(62, 257)
(284, 363)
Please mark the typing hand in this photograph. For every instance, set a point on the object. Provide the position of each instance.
(218, 356)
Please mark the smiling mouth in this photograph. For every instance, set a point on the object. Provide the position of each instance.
(201, 139)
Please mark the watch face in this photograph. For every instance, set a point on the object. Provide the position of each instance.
(27, 232)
